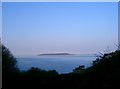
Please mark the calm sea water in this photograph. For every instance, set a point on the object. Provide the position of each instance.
(62, 64)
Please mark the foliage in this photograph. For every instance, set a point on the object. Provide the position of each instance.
(79, 69)
(39, 72)
(103, 74)
(9, 63)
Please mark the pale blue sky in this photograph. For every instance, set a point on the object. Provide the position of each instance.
(33, 28)
(60, 0)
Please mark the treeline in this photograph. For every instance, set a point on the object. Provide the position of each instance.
(103, 74)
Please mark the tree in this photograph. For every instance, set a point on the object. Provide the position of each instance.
(34, 71)
(9, 63)
(79, 69)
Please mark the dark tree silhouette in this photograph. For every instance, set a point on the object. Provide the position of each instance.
(9, 63)
(103, 74)
(78, 69)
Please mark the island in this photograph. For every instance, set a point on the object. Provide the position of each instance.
(55, 54)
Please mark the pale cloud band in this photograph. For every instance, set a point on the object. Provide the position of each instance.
(59, 0)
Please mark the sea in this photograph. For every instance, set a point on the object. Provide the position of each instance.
(61, 63)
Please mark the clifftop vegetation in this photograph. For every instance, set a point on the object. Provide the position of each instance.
(103, 74)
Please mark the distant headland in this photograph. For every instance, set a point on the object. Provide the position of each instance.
(55, 54)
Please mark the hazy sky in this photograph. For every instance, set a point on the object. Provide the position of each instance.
(33, 28)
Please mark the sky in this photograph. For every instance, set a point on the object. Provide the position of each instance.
(0, 20)
(79, 28)
(59, 0)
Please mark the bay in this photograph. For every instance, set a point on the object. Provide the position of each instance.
(60, 63)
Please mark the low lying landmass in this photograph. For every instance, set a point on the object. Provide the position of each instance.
(55, 54)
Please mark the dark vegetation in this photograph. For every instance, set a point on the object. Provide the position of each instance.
(103, 74)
